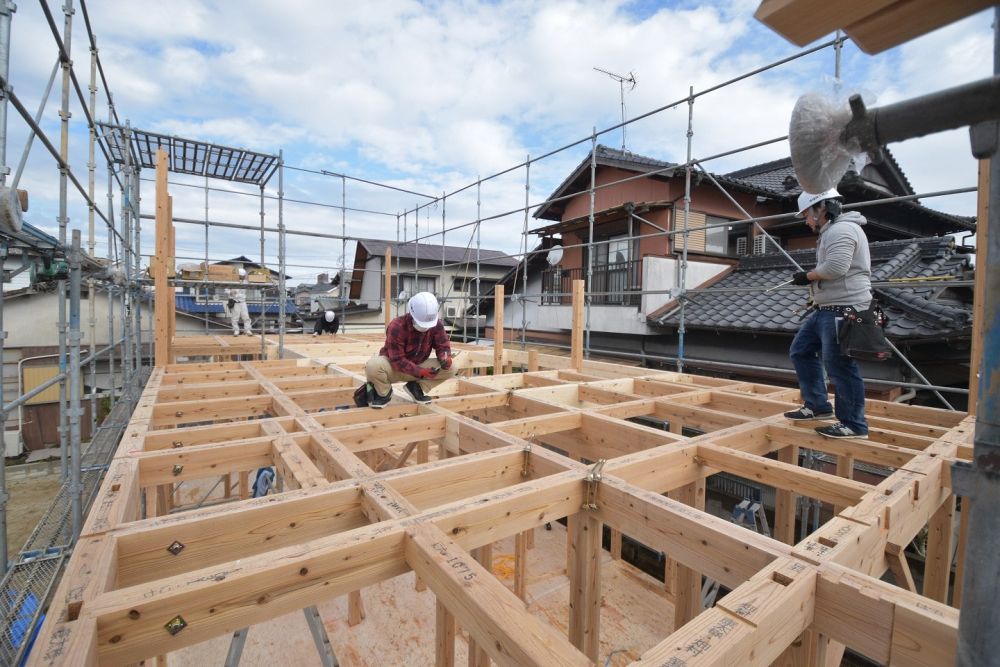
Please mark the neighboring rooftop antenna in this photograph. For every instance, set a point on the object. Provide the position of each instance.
(622, 80)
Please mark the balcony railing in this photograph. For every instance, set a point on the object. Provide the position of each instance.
(617, 284)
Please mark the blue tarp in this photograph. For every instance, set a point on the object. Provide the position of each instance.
(188, 303)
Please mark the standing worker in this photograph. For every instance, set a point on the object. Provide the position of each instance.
(326, 323)
(238, 307)
(409, 340)
(842, 278)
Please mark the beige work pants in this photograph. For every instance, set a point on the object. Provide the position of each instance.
(381, 374)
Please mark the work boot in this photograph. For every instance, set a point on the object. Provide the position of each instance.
(414, 390)
(377, 401)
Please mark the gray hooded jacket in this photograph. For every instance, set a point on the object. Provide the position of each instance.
(844, 263)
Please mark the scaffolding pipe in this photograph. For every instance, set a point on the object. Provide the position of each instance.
(64, 116)
(263, 311)
(978, 641)
(590, 241)
(135, 202)
(682, 283)
(479, 215)
(75, 410)
(91, 241)
(38, 118)
(343, 255)
(111, 297)
(524, 240)
(282, 293)
(3, 425)
(204, 272)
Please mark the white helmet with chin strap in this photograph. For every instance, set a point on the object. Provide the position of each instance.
(808, 199)
(329, 315)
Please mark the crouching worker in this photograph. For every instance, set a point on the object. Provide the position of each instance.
(327, 323)
(409, 341)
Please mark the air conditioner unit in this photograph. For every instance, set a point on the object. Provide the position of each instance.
(759, 244)
(741, 245)
(12, 444)
(451, 311)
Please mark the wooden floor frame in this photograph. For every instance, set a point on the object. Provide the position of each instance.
(365, 496)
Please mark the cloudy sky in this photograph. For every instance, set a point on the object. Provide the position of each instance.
(431, 97)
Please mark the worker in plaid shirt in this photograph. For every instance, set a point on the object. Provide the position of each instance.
(405, 357)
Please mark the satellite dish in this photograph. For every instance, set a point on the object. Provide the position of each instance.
(554, 255)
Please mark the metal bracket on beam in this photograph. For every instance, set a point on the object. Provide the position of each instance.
(592, 479)
(524, 463)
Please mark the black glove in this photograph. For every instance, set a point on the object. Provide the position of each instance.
(800, 278)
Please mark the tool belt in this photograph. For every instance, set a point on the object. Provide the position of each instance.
(861, 333)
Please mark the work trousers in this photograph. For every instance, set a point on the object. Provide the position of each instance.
(381, 374)
(816, 346)
(239, 312)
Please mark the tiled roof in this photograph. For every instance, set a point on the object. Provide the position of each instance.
(432, 253)
(924, 311)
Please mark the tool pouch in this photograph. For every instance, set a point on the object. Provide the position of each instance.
(862, 334)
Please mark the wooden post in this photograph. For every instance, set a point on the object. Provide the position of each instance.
(444, 638)
(963, 537)
(584, 570)
(520, 564)
(477, 656)
(979, 293)
(616, 544)
(158, 265)
(498, 330)
(845, 468)
(388, 287)
(532, 361)
(355, 608)
(784, 501)
(576, 335)
(937, 566)
(687, 582)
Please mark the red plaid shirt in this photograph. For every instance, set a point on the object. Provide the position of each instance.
(406, 348)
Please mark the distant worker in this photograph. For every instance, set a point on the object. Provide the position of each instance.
(842, 278)
(326, 323)
(405, 357)
(238, 307)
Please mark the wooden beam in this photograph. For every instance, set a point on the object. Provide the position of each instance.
(444, 636)
(784, 501)
(686, 583)
(896, 556)
(493, 616)
(576, 333)
(388, 287)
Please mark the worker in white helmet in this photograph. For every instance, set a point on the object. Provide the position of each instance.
(326, 323)
(238, 306)
(409, 341)
(841, 280)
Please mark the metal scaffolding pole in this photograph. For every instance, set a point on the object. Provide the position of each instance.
(524, 258)
(682, 283)
(343, 253)
(91, 241)
(479, 216)
(590, 240)
(127, 292)
(263, 297)
(204, 274)
(979, 482)
(111, 294)
(443, 202)
(282, 298)
(7, 9)
(64, 116)
(3, 432)
(75, 410)
(135, 202)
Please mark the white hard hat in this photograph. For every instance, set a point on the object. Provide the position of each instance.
(423, 308)
(243, 273)
(808, 199)
(329, 315)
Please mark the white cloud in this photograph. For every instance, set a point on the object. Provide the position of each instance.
(430, 96)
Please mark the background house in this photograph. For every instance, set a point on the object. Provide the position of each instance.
(449, 272)
(637, 264)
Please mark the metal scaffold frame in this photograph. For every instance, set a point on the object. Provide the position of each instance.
(127, 150)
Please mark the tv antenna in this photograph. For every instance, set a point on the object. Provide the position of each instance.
(622, 80)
